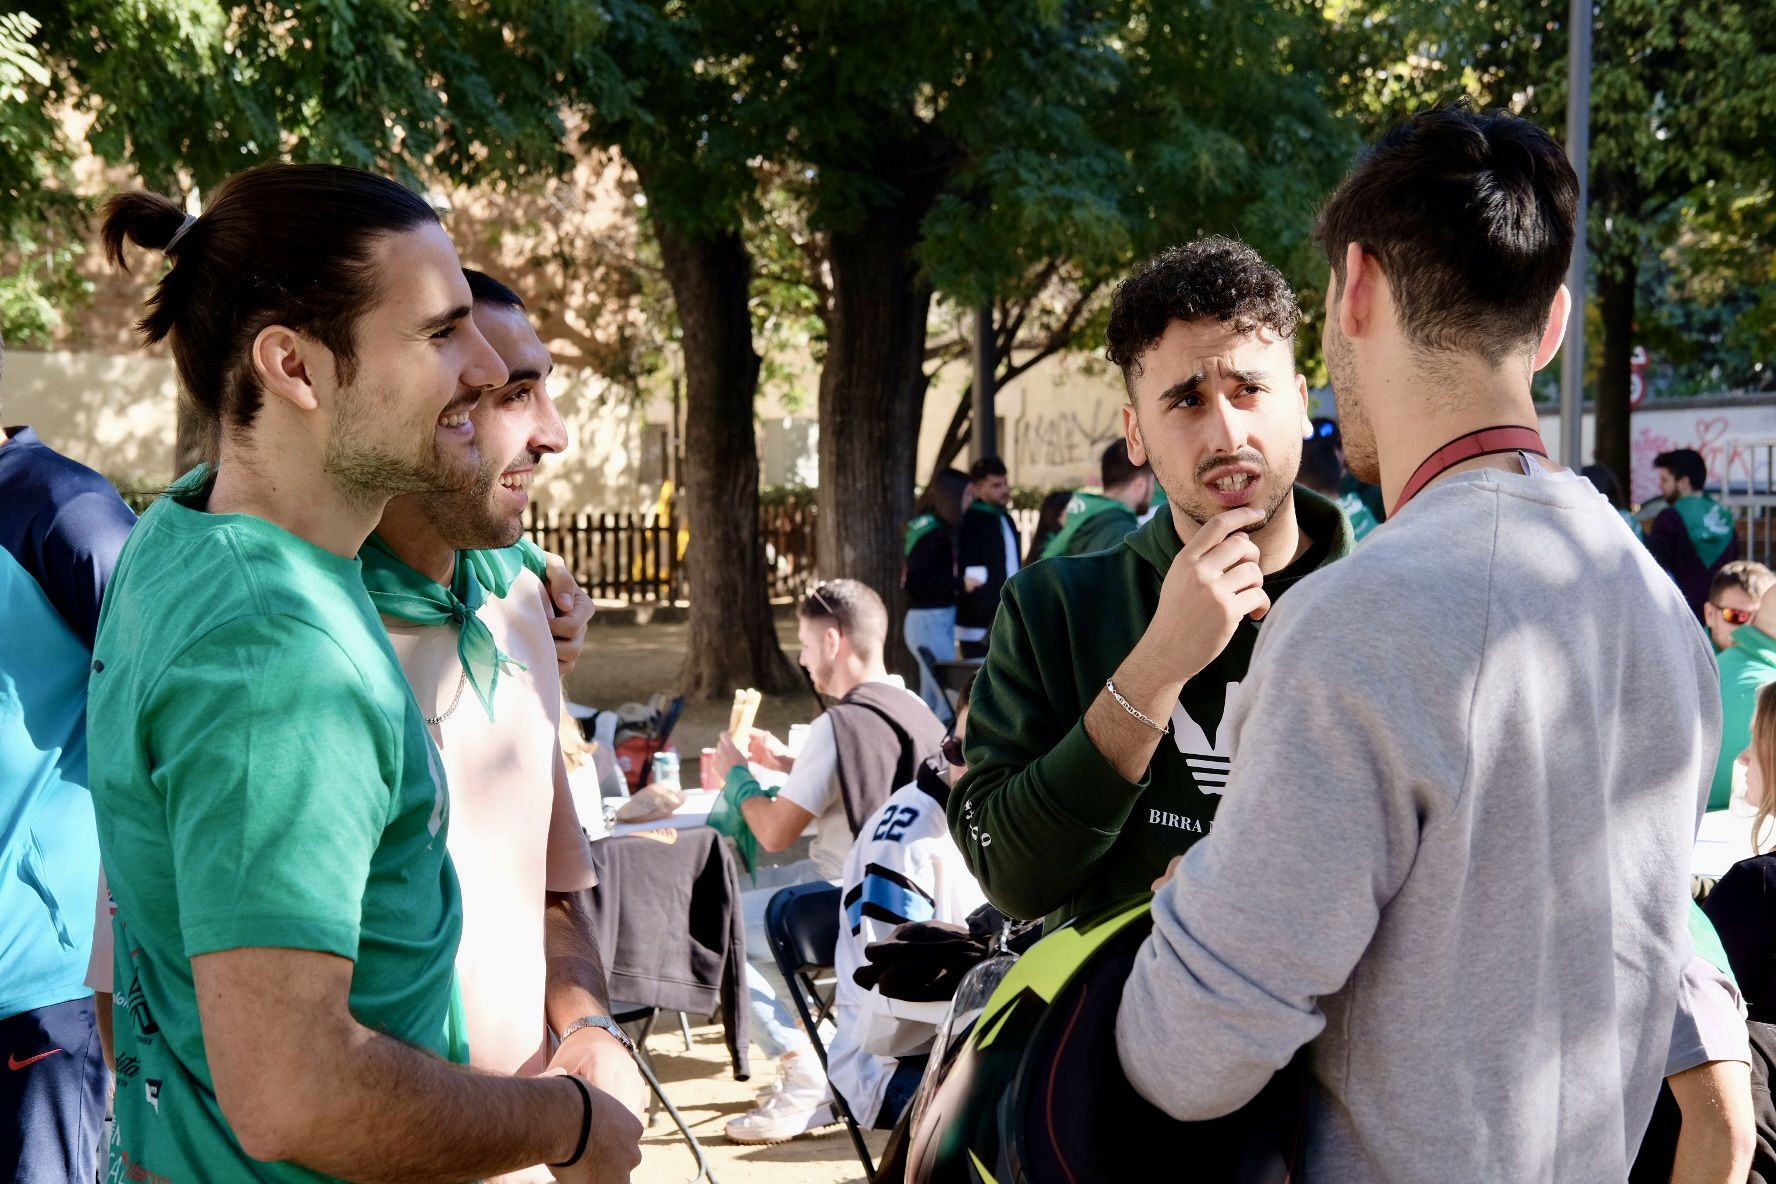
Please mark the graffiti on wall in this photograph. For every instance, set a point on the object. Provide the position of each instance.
(1726, 436)
(1065, 446)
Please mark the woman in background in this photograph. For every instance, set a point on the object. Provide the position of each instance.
(1743, 905)
(933, 581)
(1049, 520)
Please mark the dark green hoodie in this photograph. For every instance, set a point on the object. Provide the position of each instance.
(1048, 826)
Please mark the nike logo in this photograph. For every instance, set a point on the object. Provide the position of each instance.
(12, 1061)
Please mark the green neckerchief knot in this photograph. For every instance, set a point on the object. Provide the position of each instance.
(400, 592)
(726, 818)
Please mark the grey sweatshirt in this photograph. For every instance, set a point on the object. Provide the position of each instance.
(1453, 855)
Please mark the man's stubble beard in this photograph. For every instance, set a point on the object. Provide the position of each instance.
(369, 468)
(1354, 428)
(466, 518)
(1186, 508)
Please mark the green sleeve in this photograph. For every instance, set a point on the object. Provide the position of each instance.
(1039, 806)
(1740, 683)
(276, 770)
(1101, 532)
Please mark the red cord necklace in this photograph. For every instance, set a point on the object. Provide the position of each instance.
(1483, 442)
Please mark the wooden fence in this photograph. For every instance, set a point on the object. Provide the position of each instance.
(637, 557)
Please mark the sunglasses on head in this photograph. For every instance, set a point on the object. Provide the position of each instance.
(952, 750)
(1735, 616)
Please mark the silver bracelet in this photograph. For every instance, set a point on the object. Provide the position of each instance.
(1110, 685)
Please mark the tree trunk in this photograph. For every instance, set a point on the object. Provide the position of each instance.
(733, 637)
(1615, 299)
(872, 395)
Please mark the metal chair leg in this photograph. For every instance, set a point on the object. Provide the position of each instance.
(684, 1026)
(703, 1172)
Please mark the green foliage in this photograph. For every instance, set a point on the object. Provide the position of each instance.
(40, 219)
(191, 90)
(1681, 139)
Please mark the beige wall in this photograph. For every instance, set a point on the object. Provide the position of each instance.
(111, 412)
(114, 413)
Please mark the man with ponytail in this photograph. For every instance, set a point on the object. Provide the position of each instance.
(272, 812)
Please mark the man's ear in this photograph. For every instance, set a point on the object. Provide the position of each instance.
(1307, 422)
(282, 361)
(1554, 332)
(1355, 300)
(1131, 434)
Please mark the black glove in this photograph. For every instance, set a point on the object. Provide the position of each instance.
(921, 962)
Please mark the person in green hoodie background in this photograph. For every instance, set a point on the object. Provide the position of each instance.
(1746, 667)
(1694, 536)
(1098, 521)
(1094, 745)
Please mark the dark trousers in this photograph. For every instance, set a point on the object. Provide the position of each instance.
(52, 1095)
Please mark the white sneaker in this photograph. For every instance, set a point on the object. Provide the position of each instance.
(798, 1102)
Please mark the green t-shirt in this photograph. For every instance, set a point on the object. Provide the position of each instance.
(262, 777)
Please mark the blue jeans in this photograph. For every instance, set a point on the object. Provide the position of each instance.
(775, 1028)
(934, 629)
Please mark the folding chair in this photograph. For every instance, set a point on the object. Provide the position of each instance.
(802, 928)
(639, 1021)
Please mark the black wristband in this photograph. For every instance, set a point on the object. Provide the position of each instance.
(585, 1124)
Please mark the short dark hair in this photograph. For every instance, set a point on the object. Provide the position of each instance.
(854, 607)
(1211, 279)
(1754, 579)
(484, 289)
(1470, 216)
(1684, 462)
(278, 244)
(1115, 469)
(987, 466)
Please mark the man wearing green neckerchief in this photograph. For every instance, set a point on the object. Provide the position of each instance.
(1098, 521)
(463, 599)
(1694, 536)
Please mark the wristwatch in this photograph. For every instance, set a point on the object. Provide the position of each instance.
(600, 1021)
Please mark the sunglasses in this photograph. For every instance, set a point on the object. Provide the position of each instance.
(1735, 616)
(952, 750)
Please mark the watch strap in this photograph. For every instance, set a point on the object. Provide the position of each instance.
(600, 1021)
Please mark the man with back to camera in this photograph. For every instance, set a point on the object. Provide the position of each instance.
(988, 552)
(468, 616)
(272, 811)
(1098, 521)
(1097, 750)
(61, 528)
(1693, 537)
(1451, 860)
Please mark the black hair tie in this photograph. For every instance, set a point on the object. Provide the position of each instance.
(585, 1123)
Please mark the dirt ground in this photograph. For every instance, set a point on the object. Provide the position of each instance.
(705, 1092)
(628, 662)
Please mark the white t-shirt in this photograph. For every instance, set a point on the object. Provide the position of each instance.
(814, 786)
(904, 867)
(514, 833)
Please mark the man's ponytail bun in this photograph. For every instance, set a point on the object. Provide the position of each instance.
(146, 219)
